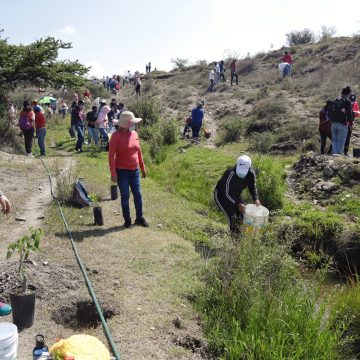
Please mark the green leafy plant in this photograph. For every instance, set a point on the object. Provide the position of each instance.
(24, 247)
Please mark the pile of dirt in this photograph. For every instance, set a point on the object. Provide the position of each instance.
(320, 177)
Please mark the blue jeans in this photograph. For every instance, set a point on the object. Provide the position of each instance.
(339, 132)
(80, 136)
(126, 179)
(93, 135)
(195, 127)
(286, 71)
(41, 133)
(104, 134)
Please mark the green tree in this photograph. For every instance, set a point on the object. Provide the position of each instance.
(37, 64)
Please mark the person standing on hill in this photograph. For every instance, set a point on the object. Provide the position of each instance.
(125, 158)
(228, 191)
(217, 72)
(287, 58)
(324, 129)
(91, 117)
(197, 115)
(77, 120)
(341, 116)
(137, 86)
(40, 129)
(149, 67)
(356, 113)
(102, 122)
(212, 80)
(26, 124)
(222, 70)
(234, 74)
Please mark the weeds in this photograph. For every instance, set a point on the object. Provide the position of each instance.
(146, 108)
(270, 108)
(231, 131)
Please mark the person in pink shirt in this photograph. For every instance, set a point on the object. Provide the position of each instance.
(125, 159)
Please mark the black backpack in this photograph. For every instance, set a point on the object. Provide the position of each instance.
(80, 196)
(336, 110)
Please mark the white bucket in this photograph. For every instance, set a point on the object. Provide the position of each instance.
(256, 216)
(8, 341)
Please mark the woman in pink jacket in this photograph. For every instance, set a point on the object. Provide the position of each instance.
(102, 121)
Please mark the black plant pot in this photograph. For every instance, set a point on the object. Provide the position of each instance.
(356, 152)
(98, 218)
(23, 307)
(114, 192)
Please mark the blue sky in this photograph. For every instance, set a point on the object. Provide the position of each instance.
(114, 36)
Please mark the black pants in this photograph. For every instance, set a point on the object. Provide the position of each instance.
(323, 137)
(211, 87)
(234, 75)
(137, 89)
(347, 142)
(232, 214)
(222, 76)
(28, 136)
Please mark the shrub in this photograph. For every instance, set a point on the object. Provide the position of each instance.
(146, 108)
(97, 91)
(300, 37)
(230, 132)
(270, 108)
(8, 133)
(260, 125)
(180, 64)
(270, 180)
(262, 142)
(255, 306)
(326, 32)
(347, 310)
(246, 66)
(64, 184)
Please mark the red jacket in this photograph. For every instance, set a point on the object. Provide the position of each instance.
(39, 120)
(287, 58)
(125, 152)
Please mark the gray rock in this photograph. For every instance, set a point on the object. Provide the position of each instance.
(329, 186)
(328, 172)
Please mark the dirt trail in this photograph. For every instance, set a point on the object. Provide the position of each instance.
(141, 276)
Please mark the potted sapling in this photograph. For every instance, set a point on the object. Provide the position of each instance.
(23, 297)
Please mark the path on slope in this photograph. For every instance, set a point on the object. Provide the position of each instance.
(145, 276)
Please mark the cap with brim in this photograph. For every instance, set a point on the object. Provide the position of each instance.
(127, 119)
(243, 165)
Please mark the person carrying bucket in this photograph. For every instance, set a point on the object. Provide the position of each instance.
(228, 191)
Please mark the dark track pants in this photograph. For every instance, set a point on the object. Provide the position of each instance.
(228, 208)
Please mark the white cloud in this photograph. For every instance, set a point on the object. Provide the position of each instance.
(67, 30)
(97, 69)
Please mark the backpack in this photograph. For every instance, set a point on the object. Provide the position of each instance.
(24, 121)
(336, 110)
(80, 197)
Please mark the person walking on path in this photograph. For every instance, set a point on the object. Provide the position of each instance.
(5, 204)
(93, 134)
(102, 122)
(234, 74)
(287, 58)
(197, 115)
(229, 188)
(137, 86)
(356, 113)
(324, 129)
(77, 120)
(40, 129)
(340, 114)
(149, 67)
(26, 124)
(222, 70)
(212, 80)
(217, 72)
(125, 158)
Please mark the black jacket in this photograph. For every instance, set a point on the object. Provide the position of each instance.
(231, 186)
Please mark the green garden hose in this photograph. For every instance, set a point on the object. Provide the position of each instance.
(83, 270)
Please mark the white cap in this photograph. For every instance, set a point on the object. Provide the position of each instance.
(243, 165)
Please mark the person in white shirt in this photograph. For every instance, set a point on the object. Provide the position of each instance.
(212, 80)
(284, 69)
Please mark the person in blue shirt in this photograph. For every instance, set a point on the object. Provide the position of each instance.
(197, 115)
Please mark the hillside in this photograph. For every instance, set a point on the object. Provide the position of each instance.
(185, 288)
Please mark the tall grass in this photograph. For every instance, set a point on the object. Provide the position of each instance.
(230, 131)
(255, 306)
(146, 108)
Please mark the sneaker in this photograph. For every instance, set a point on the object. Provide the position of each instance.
(142, 221)
(30, 155)
(336, 155)
(5, 309)
(127, 223)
